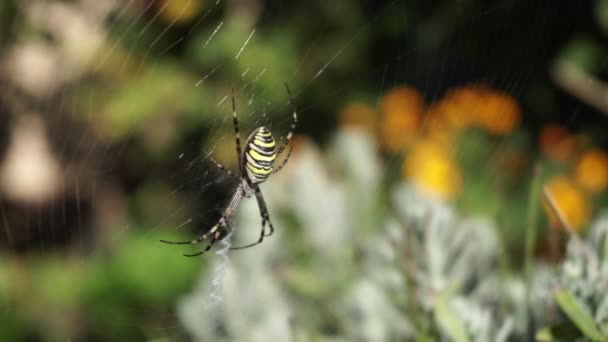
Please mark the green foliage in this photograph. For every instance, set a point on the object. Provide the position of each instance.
(123, 292)
(141, 96)
(358, 254)
(583, 276)
(424, 274)
(578, 315)
(449, 321)
(601, 14)
(12, 326)
(585, 54)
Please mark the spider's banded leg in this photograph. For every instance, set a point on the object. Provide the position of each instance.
(293, 123)
(201, 252)
(220, 225)
(284, 161)
(263, 212)
(239, 149)
(262, 235)
(223, 224)
(214, 239)
(265, 219)
(222, 167)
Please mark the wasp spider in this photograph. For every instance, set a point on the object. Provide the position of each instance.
(256, 162)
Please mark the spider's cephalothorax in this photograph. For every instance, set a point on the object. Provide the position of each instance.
(260, 155)
(256, 162)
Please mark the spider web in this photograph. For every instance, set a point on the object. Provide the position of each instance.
(107, 179)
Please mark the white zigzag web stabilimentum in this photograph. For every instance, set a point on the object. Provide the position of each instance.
(215, 296)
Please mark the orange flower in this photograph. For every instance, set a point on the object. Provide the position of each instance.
(494, 111)
(431, 168)
(569, 200)
(433, 120)
(460, 106)
(358, 115)
(556, 143)
(446, 115)
(591, 171)
(439, 135)
(401, 109)
(497, 112)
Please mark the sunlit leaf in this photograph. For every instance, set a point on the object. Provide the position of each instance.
(449, 320)
(579, 317)
(544, 335)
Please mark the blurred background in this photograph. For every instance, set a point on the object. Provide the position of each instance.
(447, 181)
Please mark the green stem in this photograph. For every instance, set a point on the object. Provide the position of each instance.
(532, 220)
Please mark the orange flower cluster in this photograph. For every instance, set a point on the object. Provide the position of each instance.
(426, 133)
(404, 115)
(589, 177)
(494, 111)
(589, 174)
(402, 109)
(358, 115)
(430, 166)
(591, 171)
(556, 143)
(572, 203)
(407, 123)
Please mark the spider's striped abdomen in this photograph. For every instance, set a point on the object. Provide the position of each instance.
(260, 155)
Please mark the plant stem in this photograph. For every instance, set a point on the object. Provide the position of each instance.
(532, 220)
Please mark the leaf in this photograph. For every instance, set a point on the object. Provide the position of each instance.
(601, 14)
(544, 335)
(602, 246)
(449, 321)
(578, 316)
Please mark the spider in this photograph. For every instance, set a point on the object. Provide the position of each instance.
(256, 163)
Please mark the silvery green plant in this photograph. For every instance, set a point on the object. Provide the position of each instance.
(313, 278)
(584, 273)
(581, 285)
(345, 264)
(453, 271)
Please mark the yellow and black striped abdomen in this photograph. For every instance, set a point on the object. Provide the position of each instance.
(260, 155)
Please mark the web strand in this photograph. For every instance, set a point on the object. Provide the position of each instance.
(215, 296)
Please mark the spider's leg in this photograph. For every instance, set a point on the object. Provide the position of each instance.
(218, 226)
(239, 149)
(284, 161)
(265, 219)
(222, 167)
(293, 123)
(222, 225)
(263, 212)
(214, 239)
